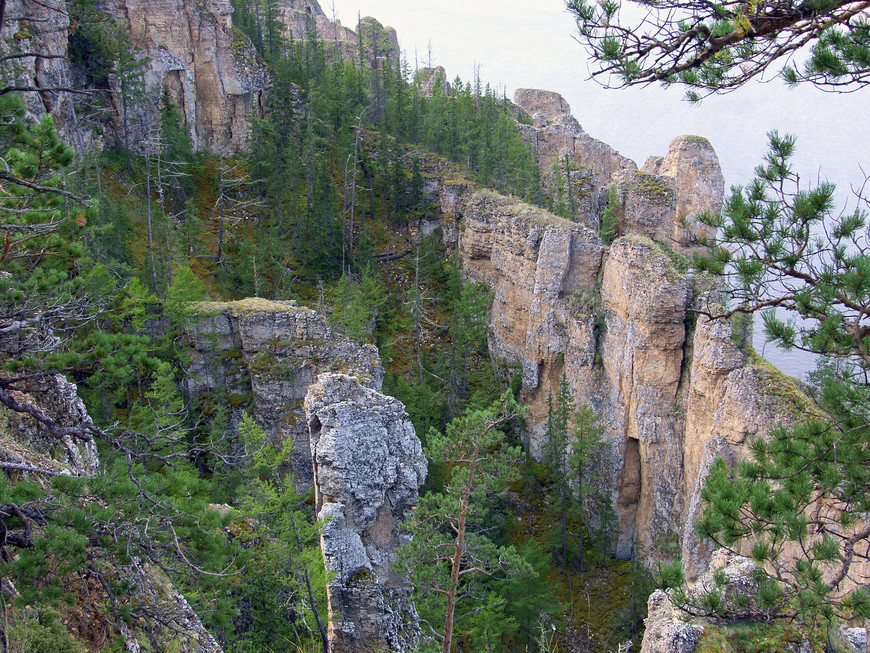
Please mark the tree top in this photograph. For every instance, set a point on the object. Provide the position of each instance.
(712, 47)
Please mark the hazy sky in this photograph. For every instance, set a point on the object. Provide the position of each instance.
(529, 44)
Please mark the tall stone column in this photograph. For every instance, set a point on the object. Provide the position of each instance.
(368, 467)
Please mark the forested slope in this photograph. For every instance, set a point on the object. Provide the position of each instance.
(206, 207)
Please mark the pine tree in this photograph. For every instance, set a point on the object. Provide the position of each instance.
(715, 48)
(806, 488)
(451, 559)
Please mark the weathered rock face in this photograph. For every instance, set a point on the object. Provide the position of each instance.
(209, 68)
(262, 356)
(188, 47)
(694, 166)
(26, 442)
(731, 397)
(538, 265)
(368, 468)
(39, 27)
(547, 103)
(563, 148)
(670, 629)
(644, 299)
(614, 321)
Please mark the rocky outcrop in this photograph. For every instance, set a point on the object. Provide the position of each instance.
(368, 467)
(732, 396)
(614, 319)
(428, 79)
(660, 201)
(671, 628)
(693, 165)
(187, 47)
(27, 443)
(260, 356)
(39, 28)
(643, 298)
(564, 149)
(209, 69)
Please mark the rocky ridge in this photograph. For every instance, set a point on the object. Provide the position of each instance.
(261, 356)
(673, 395)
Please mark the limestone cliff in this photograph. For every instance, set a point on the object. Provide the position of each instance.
(188, 47)
(208, 67)
(672, 395)
(261, 356)
(368, 467)
(613, 319)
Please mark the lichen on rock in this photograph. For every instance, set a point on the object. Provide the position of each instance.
(368, 467)
(260, 356)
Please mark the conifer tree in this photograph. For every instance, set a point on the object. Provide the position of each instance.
(806, 488)
(718, 47)
(452, 560)
(556, 455)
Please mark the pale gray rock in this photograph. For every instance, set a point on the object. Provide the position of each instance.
(368, 468)
(261, 356)
(32, 444)
(857, 638)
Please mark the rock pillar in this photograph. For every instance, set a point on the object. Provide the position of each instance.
(368, 467)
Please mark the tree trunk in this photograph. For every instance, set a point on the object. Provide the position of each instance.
(457, 557)
(150, 230)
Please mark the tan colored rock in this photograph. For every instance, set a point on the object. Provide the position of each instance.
(693, 164)
(534, 262)
(186, 46)
(732, 397)
(209, 68)
(555, 287)
(547, 103)
(648, 205)
(564, 151)
(644, 299)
